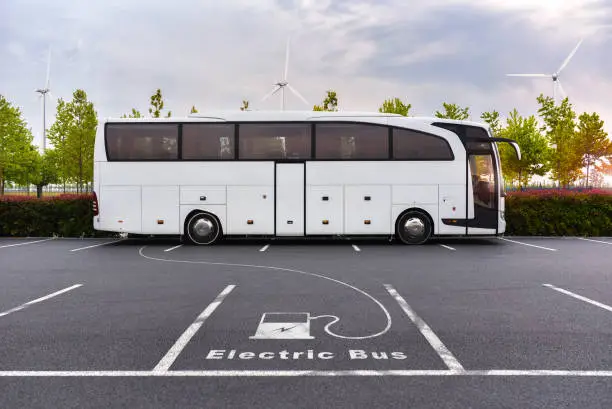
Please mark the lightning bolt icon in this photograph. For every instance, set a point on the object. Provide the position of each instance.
(283, 329)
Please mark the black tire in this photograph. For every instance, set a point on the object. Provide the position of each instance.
(203, 229)
(413, 227)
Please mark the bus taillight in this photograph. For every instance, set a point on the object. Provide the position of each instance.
(95, 204)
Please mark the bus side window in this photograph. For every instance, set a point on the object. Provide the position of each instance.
(267, 141)
(208, 142)
(351, 141)
(413, 145)
(142, 141)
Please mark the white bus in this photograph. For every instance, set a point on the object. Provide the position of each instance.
(298, 174)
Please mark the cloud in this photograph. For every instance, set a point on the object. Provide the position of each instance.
(214, 55)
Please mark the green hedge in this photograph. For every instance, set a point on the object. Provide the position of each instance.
(63, 216)
(559, 213)
(532, 213)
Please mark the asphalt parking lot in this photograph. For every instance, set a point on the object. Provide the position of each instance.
(456, 323)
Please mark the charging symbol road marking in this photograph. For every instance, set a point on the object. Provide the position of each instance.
(283, 325)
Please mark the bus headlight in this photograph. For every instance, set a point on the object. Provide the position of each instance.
(502, 214)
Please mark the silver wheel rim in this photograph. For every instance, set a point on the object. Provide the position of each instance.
(414, 227)
(203, 230)
(203, 227)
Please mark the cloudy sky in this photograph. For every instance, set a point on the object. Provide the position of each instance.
(214, 54)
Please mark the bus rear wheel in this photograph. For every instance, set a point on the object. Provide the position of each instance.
(413, 227)
(203, 229)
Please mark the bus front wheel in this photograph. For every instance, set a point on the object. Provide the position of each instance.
(414, 227)
(203, 229)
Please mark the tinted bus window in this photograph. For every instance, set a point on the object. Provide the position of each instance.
(274, 141)
(412, 145)
(142, 141)
(208, 142)
(351, 141)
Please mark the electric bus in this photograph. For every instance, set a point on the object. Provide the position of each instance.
(298, 174)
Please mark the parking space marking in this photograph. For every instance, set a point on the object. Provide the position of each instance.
(27, 242)
(46, 297)
(446, 355)
(307, 373)
(167, 361)
(595, 241)
(264, 248)
(174, 248)
(97, 245)
(579, 297)
(527, 244)
(357, 249)
(448, 247)
(290, 270)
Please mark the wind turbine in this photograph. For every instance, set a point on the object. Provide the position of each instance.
(43, 93)
(284, 83)
(555, 75)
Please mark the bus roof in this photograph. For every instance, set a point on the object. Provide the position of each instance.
(263, 116)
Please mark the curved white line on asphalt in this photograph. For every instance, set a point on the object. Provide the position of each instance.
(382, 307)
(334, 320)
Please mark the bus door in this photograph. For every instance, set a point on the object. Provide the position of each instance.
(485, 181)
(483, 188)
(289, 207)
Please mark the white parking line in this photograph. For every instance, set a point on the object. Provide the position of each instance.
(448, 247)
(595, 241)
(97, 245)
(527, 244)
(308, 373)
(356, 248)
(167, 361)
(174, 248)
(46, 297)
(264, 248)
(446, 355)
(27, 242)
(579, 297)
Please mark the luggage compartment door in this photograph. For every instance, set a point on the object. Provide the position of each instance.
(290, 199)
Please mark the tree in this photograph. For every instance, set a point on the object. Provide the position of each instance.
(245, 105)
(395, 106)
(453, 111)
(157, 105)
(492, 119)
(593, 141)
(330, 103)
(534, 149)
(601, 169)
(26, 173)
(560, 127)
(46, 170)
(135, 114)
(73, 136)
(193, 110)
(16, 147)
(57, 136)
